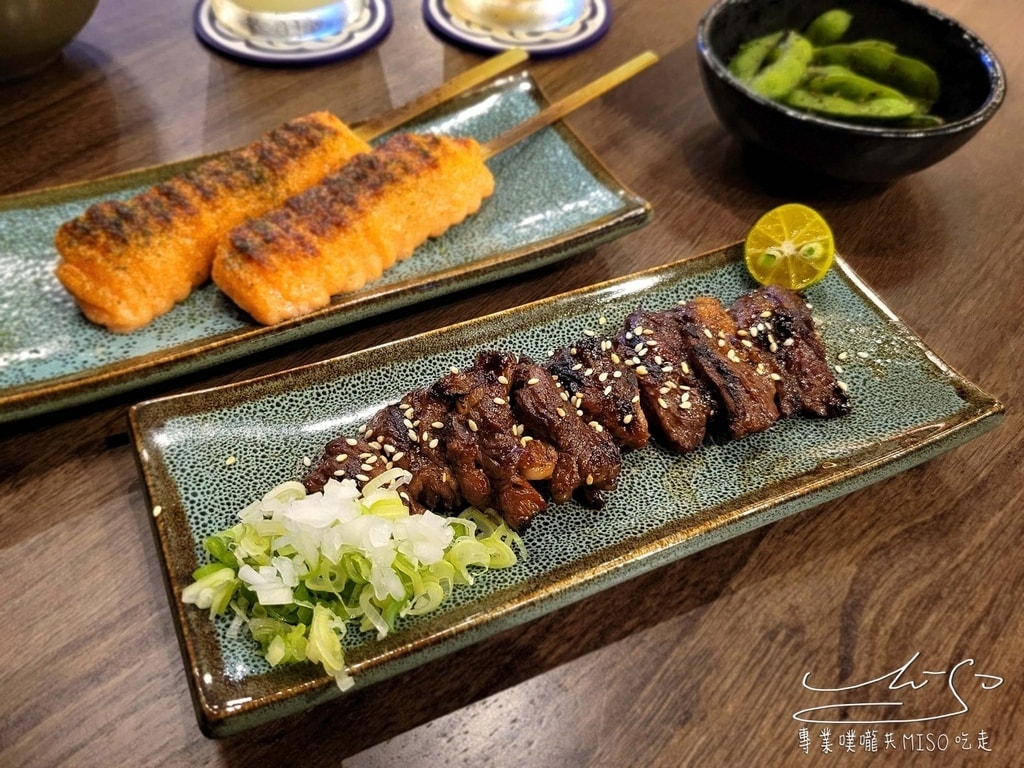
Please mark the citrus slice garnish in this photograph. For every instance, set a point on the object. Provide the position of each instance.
(791, 246)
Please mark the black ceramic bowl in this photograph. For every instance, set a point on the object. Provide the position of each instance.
(972, 81)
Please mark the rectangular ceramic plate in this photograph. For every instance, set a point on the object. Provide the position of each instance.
(205, 455)
(553, 198)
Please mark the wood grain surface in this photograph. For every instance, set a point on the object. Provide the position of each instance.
(696, 664)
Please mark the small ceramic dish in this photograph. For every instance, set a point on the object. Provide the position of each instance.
(972, 81)
(499, 25)
(361, 33)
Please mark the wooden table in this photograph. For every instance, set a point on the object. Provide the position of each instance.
(697, 663)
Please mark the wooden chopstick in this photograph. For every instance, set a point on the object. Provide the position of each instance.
(381, 124)
(567, 104)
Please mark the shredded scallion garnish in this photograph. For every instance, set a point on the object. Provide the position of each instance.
(298, 566)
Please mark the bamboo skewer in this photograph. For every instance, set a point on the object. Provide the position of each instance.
(381, 124)
(567, 104)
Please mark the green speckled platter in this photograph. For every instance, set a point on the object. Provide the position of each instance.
(553, 198)
(907, 407)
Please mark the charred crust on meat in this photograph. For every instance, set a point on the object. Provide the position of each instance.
(510, 433)
(779, 324)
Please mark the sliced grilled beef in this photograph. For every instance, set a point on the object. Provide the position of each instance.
(678, 405)
(744, 391)
(778, 322)
(591, 372)
(413, 435)
(493, 464)
(588, 460)
(357, 459)
(507, 433)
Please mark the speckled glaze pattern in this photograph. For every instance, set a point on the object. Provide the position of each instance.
(552, 199)
(205, 455)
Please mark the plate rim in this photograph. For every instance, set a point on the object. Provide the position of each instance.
(674, 540)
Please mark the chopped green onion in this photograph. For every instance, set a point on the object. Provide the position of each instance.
(211, 590)
(298, 566)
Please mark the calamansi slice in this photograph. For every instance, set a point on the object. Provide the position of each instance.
(791, 246)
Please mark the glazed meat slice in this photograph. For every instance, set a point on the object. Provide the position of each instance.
(510, 434)
(676, 402)
(346, 457)
(494, 464)
(412, 435)
(588, 461)
(735, 373)
(430, 414)
(778, 322)
(591, 372)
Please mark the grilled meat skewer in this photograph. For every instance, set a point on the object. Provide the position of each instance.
(509, 433)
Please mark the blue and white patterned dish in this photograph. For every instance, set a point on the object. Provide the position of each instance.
(907, 407)
(553, 198)
(588, 29)
(368, 29)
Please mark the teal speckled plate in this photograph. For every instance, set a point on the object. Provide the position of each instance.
(553, 198)
(907, 407)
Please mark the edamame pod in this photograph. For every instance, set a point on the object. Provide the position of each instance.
(835, 80)
(866, 80)
(829, 27)
(878, 61)
(783, 75)
(883, 109)
(751, 55)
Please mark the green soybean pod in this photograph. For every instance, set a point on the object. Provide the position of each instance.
(752, 55)
(829, 27)
(915, 79)
(837, 80)
(877, 110)
(864, 56)
(879, 61)
(782, 75)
